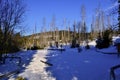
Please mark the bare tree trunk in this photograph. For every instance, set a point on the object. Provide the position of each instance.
(79, 37)
(97, 24)
(83, 16)
(102, 23)
(93, 28)
(35, 36)
(57, 34)
(74, 27)
(119, 16)
(62, 36)
(53, 26)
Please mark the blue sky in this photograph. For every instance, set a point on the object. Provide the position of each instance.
(61, 9)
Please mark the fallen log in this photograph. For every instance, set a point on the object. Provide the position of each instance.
(57, 49)
(49, 64)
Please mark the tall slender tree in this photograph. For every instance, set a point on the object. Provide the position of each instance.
(119, 16)
(116, 11)
(69, 32)
(74, 30)
(83, 25)
(63, 32)
(53, 25)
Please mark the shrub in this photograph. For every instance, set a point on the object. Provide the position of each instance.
(20, 78)
(35, 48)
(73, 43)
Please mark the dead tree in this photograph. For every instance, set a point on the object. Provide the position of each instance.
(73, 45)
(102, 22)
(44, 32)
(53, 26)
(78, 32)
(74, 30)
(69, 34)
(93, 32)
(83, 25)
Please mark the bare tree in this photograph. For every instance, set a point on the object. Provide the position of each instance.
(99, 21)
(74, 30)
(79, 31)
(74, 36)
(116, 11)
(44, 32)
(69, 32)
(97, 24)
(102, 22)
(64, 31)
(11, 17)
(83, 13)
(119, 15)
(115, 8)
(57, 34)
(53, 27)
(83, 25)
(93, 33)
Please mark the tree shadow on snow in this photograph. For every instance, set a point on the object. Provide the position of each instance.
(62, 70)
(11, 66)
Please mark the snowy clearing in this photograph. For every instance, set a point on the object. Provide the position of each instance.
(70, 64)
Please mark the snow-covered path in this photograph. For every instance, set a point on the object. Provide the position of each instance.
(36, 70)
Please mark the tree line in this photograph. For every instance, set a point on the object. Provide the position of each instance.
(12, 15)
(102, 25)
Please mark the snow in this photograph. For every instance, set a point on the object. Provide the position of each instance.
(110, 50)
(116, 39)
(89, 64)
(92, 43)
